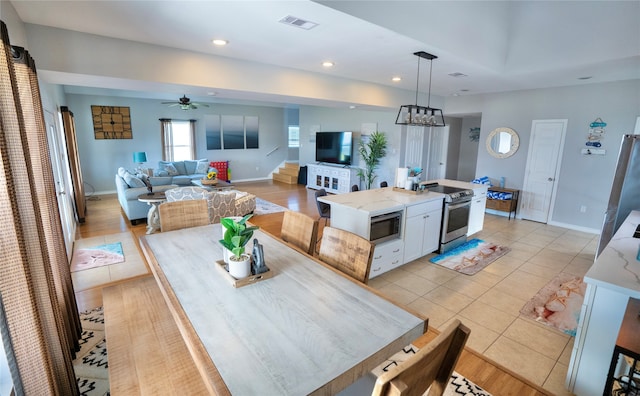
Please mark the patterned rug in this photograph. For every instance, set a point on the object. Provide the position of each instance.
(90, 365)
(471, 257)
(265, 207)
(458, 385)
(97, 256)
(558, 303)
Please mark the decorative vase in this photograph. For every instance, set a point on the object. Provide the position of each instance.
(240, 268)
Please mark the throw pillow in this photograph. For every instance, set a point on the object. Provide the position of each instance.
(121, 172)
(133, 181)
(171, 170)
(190, 166)
(182, 170)
(202, 166)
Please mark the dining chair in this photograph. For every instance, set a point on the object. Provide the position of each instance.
(347, 252)
(355, 188)
(324, 209)
(431, 366)
(299, 230)
(384, 184)
(183, 214)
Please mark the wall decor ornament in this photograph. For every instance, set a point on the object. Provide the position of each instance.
(111, 122)
(474, 134)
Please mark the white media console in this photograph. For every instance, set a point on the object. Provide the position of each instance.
(335, 179)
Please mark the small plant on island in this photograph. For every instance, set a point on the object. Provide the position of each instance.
(236, 235)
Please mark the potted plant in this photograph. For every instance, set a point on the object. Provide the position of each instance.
(235, 237)
(371, 152)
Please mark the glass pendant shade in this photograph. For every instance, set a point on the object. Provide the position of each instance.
(421, 115)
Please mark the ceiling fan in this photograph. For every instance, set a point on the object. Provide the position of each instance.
(185, 103)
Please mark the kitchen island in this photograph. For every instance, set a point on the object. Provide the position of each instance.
(415, 234)
(611, 281)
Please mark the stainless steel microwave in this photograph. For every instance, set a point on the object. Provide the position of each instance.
(385, 227)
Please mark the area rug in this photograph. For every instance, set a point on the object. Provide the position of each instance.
(91, 365)
(97, 256)
(471, 257)
(458, 385)
(558, 303)
(265, 207)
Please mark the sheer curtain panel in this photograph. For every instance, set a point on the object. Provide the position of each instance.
(41, 315)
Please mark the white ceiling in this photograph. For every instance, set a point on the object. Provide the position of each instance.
(500, 45)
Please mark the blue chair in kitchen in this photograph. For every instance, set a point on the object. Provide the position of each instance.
(324, 209)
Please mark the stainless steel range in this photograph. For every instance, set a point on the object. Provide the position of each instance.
(455, 215)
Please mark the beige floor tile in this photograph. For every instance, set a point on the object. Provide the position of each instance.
(556, 380)
(488, 316)
(505, 265)
(523, 360)
(521, 284)
(487, 278)
(398, 294)
(565, 357)
(436, 273)
(128, 269)
(414, 266)
(448, 298)
(552, 258)
(416, 284)
(480, 337)
(395, 274)
(378, 282)
(542, 271)
(578, 266)
(89, 278)
(537, 240)
(544, 340)
(502, 301)
(437, 314)
(464, 285)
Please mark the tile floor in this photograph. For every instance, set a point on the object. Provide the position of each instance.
(489, 301)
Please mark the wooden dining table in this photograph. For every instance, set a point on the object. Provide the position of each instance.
(308, 329)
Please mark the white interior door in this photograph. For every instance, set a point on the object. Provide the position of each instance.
(541, 173)
(62, 179)
(414, 147)
(438, 144)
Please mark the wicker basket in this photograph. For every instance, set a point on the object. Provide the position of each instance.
(209, 182)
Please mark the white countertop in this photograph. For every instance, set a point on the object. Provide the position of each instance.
(459, 184)
(380, 200)
(617, 267)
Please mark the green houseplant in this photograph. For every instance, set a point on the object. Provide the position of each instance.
(236, 235)
(371, 152)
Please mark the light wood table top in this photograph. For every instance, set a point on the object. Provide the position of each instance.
(306, 330)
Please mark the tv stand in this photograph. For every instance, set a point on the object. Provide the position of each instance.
(334, 179)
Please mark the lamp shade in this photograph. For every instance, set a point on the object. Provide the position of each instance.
(139, 157)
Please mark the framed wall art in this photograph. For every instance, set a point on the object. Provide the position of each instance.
(111, 122)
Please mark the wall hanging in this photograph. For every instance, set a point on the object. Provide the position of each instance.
(111, 122)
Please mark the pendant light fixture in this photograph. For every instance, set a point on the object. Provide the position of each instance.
(421, 115)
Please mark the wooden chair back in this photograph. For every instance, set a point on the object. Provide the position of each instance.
(300, 231)
(347, 252)
(183, 214)
(431, 366)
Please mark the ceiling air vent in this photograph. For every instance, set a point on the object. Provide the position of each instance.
(297, 22)
(457, 74)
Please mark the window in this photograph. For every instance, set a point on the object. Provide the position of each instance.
(178, 139)
(294, 136)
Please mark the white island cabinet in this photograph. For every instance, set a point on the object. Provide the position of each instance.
(422, 229)
(353, 212)
(613, 278)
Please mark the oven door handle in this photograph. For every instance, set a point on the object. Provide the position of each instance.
(459, 204)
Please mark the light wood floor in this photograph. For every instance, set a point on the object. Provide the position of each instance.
(105, 217)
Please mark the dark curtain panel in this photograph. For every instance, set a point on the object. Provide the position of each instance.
(35, 282)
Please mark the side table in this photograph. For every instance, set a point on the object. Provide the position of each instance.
(153, 217)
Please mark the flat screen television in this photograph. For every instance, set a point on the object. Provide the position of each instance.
(334, 147)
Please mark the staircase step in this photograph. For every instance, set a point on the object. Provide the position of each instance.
(288, 179)
(289, 171)
(292, 165)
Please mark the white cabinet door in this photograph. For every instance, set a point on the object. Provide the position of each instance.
(476, 213)
(422, 229)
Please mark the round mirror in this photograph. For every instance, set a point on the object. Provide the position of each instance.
(502, 142)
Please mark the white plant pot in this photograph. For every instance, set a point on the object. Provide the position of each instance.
(226, 254)
(240, 269)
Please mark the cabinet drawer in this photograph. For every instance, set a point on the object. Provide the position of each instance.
(388, 249)
(421, 208)
(499, 204)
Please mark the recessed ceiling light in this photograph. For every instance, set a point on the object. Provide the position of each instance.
(219, 42)
(211, 93)
(352, 107)
(396, 79)
(585, 78)
(328, 64)
(456, 94)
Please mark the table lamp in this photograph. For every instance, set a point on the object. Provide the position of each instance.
(140, 157)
